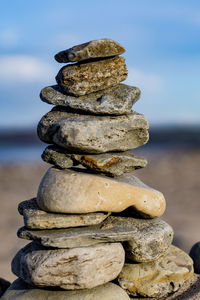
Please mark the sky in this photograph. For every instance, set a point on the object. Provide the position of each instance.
(162, 41)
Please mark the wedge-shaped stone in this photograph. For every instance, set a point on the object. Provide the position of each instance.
(93, 134)
(35, 218)
(19, 290)
(158, 278)
(90, 50)
(110, 164)
(77, 268)
(76, 191)
(117, 100)
(84, 78)
(147, 239)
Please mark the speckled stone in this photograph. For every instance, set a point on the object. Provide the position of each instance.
(84, 78)
(77, 268)
(90, 50)
(195, 255)
(147, 240)
(158, 278)
(35, 218)
(93, 134)
(20, 290)
(77, 192)
(117, 100)
(110, 164)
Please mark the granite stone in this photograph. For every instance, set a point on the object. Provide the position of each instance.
(35, 218)
(77, 268)
(147, 240)
(117, 100)
(158, 278)
(19, 290)
(93, 134)
(90, 50)
(110, 164)
(87, 77)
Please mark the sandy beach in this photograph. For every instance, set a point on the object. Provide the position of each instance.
(175, 173)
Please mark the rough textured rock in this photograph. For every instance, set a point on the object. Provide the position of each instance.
(88, 77)
(4, 285)
(90, 50)
(93, 134)
(76, 191)
(117, 100)
(195, 255)
(35, 218)
(147, 239)
(158, 278)
(110, 164)
(20, 290)
(77, 268)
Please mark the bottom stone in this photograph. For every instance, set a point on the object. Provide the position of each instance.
(77, 268)
(158, 278)
(19, 290)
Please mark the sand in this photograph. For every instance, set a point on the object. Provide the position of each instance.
(175, 173)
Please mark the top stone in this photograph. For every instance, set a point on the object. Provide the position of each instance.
(93, 49)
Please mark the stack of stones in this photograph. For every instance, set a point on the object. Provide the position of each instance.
(93, 221)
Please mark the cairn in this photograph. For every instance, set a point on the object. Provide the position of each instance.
(93, 221)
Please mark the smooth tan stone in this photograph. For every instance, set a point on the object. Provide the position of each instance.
(70, 191)
(93, 134)
(77, 268)
(35, 218)
(158, 278)
(20, 290)
(90, 50)
(87, 77)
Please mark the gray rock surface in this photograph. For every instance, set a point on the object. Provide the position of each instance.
(20, 290)
(35, 218)
(87, 77)
(77, 268)
(90, 50)
(195, 255)
(110, 164)
(93, 134)
(117, 100)
(147, 239)
(158, 278)
(76, 191)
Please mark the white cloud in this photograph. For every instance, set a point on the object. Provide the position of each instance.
(149, 83)
(24, 68)
(9, 37)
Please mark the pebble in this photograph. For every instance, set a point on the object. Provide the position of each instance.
(87, 77)
(93, 134)
(77, 268)
(90, 50)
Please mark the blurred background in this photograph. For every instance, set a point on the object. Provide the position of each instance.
(163, 59)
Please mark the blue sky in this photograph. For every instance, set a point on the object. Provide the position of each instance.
(162, 39)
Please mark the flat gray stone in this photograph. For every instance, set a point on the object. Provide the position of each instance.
(147, 239)
(35, 218)
(70, 269)
(117, 100)
(158, 278)
(76, 191)
(19, 290)
(110, 164)
(93, 134)
(90, 50)
(87, 77)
